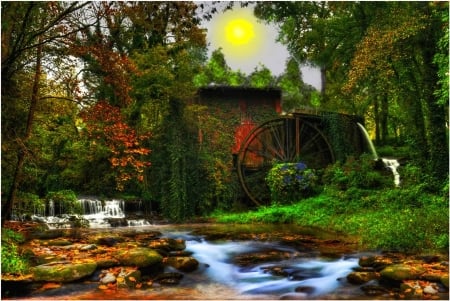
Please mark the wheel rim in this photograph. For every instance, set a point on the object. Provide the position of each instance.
(282, 140)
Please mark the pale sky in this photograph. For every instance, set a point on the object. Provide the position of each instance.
(262, 49)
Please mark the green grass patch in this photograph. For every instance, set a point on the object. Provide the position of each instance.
(407, 220)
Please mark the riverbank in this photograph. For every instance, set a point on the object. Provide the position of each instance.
(398, 220)
(217, 261)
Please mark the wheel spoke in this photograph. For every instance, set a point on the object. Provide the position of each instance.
(280, 140)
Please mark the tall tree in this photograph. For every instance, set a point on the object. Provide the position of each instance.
(28, 30)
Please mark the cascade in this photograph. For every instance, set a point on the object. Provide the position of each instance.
(391, 164)
(99, 214)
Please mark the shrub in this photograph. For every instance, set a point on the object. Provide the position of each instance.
(12, 261)
(357, 173)
(290, 182)
(65, 201)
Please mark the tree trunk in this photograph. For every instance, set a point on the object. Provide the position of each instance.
(7, 207)
(384, 113)
(377, 119)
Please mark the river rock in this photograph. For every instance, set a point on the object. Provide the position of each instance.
(361, 277)
(444, 280)
(128, 278)
(376, 262)
(169, 278)
(63, 271)
(374, 290)
(108, 278)
(139, 257)
(184, 264)
(399, 272)
(167, 244)
(248, 259)
(59, 242)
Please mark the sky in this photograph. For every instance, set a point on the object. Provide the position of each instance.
(247, 43)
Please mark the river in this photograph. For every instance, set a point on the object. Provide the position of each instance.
(239, 262)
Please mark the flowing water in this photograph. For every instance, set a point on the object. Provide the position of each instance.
(391, 164)
(305, 275)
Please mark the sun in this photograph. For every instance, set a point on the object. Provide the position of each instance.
(238, 33)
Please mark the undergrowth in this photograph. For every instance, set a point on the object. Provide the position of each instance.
(411, 218)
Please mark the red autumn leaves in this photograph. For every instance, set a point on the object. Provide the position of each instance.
(105, 125)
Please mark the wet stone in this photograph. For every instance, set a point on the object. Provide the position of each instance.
(374, 290)
(361, 277)
(169, 278)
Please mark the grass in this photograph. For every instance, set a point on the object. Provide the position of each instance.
(401, 219)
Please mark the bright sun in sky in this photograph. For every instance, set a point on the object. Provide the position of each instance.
(238, 33)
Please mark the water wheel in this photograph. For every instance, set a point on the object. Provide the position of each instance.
(287, 139)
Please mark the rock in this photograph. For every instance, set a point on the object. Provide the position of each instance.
(88, 247)
(361, 277)
(169, 278)
(128, 278)
(108, 278)
(63, 271)
(430, 289)
(444, 280)
(294, 296)
(167, 244)
(374, 290)
(264, 256)
(401, 272)
(184, 264)
(411, 290)
(139, 257)
(107, 262)
(376, 262)
(59, 242)
(108, 240)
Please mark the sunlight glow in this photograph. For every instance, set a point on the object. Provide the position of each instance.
(238, 33)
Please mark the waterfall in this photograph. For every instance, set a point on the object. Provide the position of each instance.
(51, 208)
(369, 141)
(391, 164)
(99, 214)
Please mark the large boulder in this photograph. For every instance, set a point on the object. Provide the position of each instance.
(63, 271)
(139, 257)
(184, 264)
(400, 272)
(362, 277)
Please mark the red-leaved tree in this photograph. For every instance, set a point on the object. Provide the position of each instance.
(105, 125)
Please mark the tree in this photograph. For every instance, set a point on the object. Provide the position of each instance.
(27, 28)
(396, 57)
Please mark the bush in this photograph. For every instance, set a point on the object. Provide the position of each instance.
(65, 201)
(356, 173)
(12, 261)
(290, 182)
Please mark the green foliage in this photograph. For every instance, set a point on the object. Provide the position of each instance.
(380, 221)
(357, 173)
(12, 260)
(289, 182)
(65, 201)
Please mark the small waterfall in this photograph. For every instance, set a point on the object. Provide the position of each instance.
(51, 208)
(99, 214)
(391, 164)
(369, 141)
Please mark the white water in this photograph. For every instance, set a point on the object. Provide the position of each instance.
(326, 276)
(391, 164)
(95, 211)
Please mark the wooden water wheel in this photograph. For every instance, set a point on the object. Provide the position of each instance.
(287, 139)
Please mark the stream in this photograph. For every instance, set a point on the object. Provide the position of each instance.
(226, 269)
